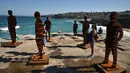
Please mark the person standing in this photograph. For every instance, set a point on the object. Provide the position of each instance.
(113, 36)
(96, 35)
(75, 26)
(11, 26)
(48, 27)
(90, 38)
(40, 33)
(100, 31)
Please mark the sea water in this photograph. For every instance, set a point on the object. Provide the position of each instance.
(26, 25)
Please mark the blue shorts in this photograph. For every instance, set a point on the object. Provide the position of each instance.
(90, 38)
(44, 41)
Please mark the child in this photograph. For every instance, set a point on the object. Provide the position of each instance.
(40, 33)
(90, 38)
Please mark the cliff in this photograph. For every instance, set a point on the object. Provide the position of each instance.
(102, 18)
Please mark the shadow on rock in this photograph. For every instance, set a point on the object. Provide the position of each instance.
(71, 66)
(18, 66)
(97, 59)
(19, 53)
(5, 60)
(54, 47)
(69, 57)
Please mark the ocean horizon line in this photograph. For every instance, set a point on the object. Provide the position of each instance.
(20, 15)
(65, 12)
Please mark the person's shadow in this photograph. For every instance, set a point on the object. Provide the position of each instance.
(5, 60)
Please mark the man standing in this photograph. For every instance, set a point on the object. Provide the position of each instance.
(75, 26)
(100, 31)
(11, 26)
(113, 36)
(48, 27)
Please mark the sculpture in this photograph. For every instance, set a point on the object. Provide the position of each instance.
(113, 36)
(11, 26)
(40, 33)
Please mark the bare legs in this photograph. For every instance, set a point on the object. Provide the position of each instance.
(92, 50)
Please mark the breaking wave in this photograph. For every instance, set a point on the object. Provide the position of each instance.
(6, 28)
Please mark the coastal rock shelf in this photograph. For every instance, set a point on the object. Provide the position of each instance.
(9, 44)
(34, 60)
(64, 56)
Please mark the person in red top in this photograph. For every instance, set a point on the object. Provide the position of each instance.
(40, 33)
(113, 36)
(48, 27)
(75, 26)
(11, 26)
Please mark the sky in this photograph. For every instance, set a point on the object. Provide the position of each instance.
(28, 7)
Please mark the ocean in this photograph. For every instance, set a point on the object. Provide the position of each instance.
(26, 25)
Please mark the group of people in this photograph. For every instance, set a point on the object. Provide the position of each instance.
(89, 34)
(114, 34)
(40, 31)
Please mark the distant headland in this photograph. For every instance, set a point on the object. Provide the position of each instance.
(100, 18)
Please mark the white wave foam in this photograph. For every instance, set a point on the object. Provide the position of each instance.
(103, 28)
(69, 21)
(6, 28)
(125, 33)
(89, 19)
